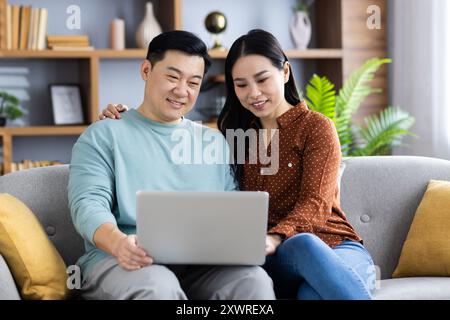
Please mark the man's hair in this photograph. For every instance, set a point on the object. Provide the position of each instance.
(178, 40)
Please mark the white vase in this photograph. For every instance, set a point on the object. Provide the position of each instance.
(148, 28)
(300, 28)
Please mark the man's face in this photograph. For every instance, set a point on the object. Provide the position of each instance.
(172, 85)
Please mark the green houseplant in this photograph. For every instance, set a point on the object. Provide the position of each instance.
(303, 5)
(379, 133)
(9, 108)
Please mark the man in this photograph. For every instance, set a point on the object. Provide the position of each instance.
(114, 159)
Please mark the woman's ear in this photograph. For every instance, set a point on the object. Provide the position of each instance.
(146, 69)
(286, 71)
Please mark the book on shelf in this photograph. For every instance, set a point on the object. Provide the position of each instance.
(15, 22)
(68, 38)
(22, 27)
(3, 24)
(68, 48)
(8, 27)
(68, 42)
(42, 29)
(34, 28)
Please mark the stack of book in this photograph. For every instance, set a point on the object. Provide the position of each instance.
(68, 42)
(22, 27)
(28, 164)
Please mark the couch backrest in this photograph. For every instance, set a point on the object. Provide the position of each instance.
(44, 191)
(380, 196)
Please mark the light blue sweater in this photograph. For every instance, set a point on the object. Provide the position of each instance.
(113, 159)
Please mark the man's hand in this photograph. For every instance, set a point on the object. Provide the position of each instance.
(272, 242)
(112, 111)
(124, 247)
(129, 255)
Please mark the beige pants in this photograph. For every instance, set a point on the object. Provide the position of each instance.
(108, 280)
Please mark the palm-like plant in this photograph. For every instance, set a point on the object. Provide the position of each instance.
(9, 106)
(379, 133)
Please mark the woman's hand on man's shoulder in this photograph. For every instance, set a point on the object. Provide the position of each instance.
(112, 111)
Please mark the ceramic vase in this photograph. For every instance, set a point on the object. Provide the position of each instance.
(148, 28)
(300, 28)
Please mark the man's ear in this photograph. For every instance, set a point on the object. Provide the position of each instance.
(146, 69)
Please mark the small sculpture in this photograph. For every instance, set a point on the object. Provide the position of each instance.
(216, 23)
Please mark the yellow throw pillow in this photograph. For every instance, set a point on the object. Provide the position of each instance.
(37, 268)
(426, 251)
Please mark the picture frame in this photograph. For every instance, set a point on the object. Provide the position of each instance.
(66, 104)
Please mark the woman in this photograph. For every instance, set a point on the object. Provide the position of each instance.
(312, 250)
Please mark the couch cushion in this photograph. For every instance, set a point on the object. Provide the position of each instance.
(380, 196)
(38, 269)
(414, 288)
(44, 191)
(426, 251)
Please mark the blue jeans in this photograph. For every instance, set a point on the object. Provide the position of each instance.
(304, 267)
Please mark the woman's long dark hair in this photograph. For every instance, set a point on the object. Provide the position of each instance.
(234, 115)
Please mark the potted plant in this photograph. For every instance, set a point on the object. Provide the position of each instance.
(300, 26)
(303, 5)
(9, 108)
(380, 133)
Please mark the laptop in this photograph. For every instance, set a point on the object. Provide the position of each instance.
(210, 228)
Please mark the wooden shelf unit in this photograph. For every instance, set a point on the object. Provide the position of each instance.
(81, 54)
(141, 53)
(42, 131)
(7, 134)
(340, 28)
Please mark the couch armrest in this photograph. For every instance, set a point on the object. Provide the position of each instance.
(8, 289)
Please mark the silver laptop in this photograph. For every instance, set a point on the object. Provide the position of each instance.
(219, 228)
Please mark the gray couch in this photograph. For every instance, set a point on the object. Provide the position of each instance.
(379, 194)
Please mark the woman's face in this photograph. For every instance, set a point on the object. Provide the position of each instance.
(259, 85)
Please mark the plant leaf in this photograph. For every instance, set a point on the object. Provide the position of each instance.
(384, 131)
(352, 94)
(356, 88)
(320, 95)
